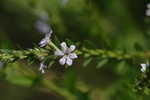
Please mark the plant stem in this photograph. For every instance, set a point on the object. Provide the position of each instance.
(53, 46)
(61, 91)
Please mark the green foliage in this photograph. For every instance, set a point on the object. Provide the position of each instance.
(19, 75)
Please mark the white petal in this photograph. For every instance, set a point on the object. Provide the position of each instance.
(142, 70)
(51, 31)
(69, 61)
(42, 27)
(73, 55)
(62, 61)
(148, 5)
(64, 47)
(148, 12)
(72, 48)
(43, 71)
(59, 53)
(44, 42)
(48, 35)
(42, 66)
(143, 67)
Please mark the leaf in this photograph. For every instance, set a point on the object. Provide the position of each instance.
(87, 62)
(121, 67)
(17, 75)
(56, 40)
(50, 64)
(102, 63)
(69, 42)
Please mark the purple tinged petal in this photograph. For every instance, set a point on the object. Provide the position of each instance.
(144, 66)
(148, 5)
(148, 12)
(42, 27)
(73, 55)
(44, 42)
(72, 48)
(62, 61)
(69, 61)
(64, 47)
(59, 53)
(42, 66)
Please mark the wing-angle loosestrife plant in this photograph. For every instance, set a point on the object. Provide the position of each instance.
(66, 54)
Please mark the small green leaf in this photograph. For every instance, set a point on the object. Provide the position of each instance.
(56, 40)
(50, 64)
(102, 63)
(121, 67)
(87, 62)
(147, 91)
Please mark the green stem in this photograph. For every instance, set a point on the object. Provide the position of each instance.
(53, 87)
(53, 46)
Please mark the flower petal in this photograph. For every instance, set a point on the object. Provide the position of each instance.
(143, 67)
(42, 27)
(148, 12)
(48, 35)
(72, 48)
(142, 70)
(69, 61)
(43, 71)
(59, 53)
(148, 5)
(42, 66)
(44, 42)
(64, 47)
(73, 55)
(62, 61)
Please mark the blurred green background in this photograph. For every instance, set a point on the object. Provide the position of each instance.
(105, 24)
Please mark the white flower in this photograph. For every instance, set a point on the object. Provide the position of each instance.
(144, 66)
(148, 5)
(44, 28)
(67, 54)
(46, 39)
(42, 67)
(148, 10)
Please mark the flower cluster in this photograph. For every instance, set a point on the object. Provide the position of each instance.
(67, 53)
